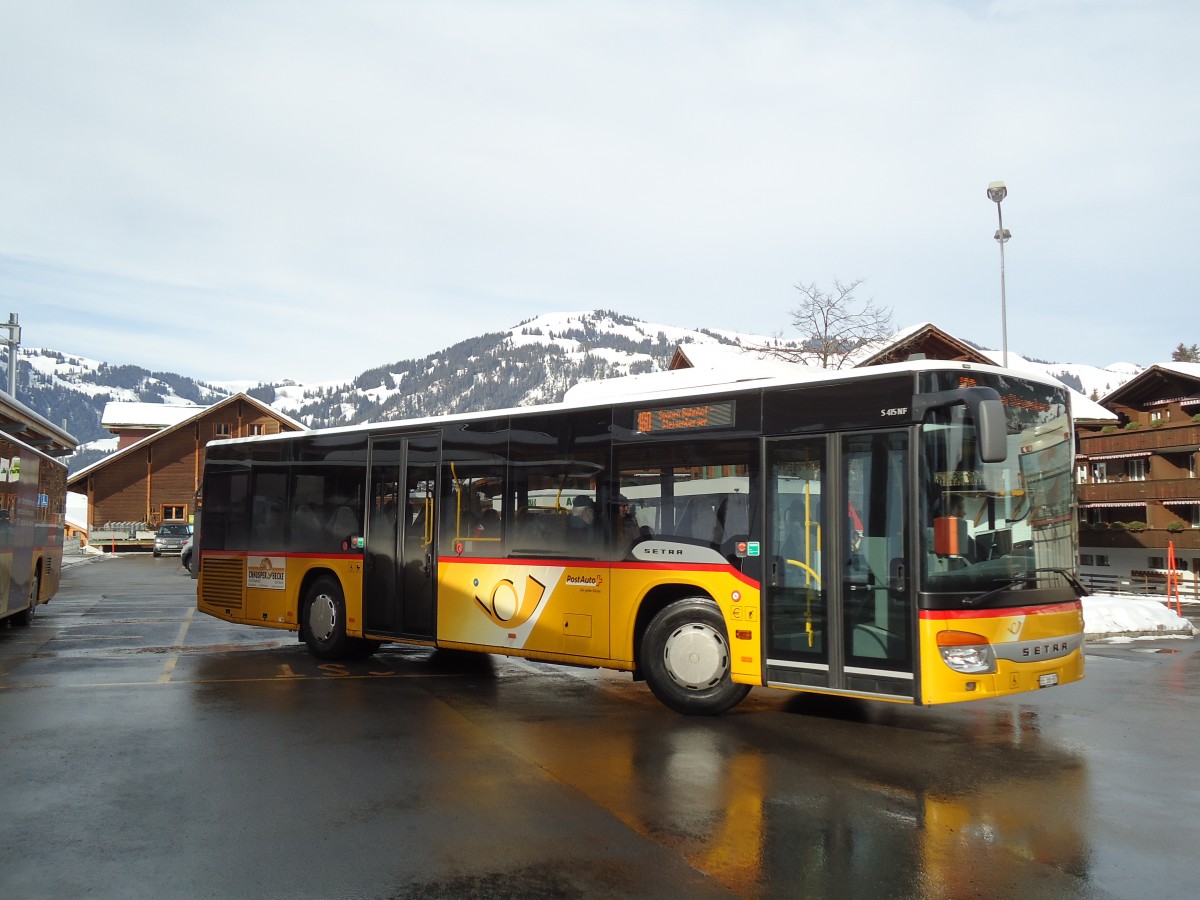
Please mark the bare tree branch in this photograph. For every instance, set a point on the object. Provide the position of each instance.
(834, 325)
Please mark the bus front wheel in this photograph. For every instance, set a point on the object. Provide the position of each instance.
(324, 620)
(685, 654)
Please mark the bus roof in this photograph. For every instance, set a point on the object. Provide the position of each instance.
(640, 389)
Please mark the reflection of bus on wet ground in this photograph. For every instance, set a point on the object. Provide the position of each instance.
(33, 492)
(867, 533)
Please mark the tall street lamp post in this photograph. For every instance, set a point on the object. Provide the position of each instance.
(996, 192)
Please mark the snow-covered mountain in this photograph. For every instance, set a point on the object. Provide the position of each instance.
(534, 362)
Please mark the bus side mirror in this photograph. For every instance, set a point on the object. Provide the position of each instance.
(991, 429)
(991, 425)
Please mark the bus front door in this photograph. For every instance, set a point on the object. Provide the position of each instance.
(877, 602)
(399, 577)
(838, 599)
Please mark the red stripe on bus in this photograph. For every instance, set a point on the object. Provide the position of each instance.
(585, 564)
(248, 554)
(1074, 606)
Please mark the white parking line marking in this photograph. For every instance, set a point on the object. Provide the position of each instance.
(169, 665)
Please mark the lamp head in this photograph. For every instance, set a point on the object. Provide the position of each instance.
(997, 191)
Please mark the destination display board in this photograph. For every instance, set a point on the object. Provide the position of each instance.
(692, 417)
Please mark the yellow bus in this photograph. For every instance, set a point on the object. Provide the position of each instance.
(33, 492)
(864, 533)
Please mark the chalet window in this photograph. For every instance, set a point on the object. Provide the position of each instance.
(174, 513)
(1086, 559)
(1101, 559)
(255, 428)
(1196, 515)
(1081, 474)
(1192, 466)
(222, 429)
(1137, 470)
(1099, 472)
(1160, 415)
(1157, 562)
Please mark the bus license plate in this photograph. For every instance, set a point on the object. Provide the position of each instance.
(1045, 681)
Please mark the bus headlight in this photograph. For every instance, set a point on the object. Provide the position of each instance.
(968, 653)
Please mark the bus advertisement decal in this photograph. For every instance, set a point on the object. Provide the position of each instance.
(269, 573)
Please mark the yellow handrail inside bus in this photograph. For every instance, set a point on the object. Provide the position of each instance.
(806, 568)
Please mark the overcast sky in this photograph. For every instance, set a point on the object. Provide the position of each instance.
(261, 189)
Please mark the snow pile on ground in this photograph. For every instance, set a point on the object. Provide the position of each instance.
(1130, 616)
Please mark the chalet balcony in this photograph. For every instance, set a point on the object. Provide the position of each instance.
(1124, 491)
(1167, 439)
(1149, 539)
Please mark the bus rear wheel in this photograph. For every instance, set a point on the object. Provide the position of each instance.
(324, 618)
(685, 654)
(25, 617)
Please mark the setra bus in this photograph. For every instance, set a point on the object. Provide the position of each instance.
(903, 533)
(33, 495)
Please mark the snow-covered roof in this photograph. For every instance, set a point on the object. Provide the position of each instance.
(1150, 380)
(1191, 370)
(713, 375)
(736, 363)
(124, 414)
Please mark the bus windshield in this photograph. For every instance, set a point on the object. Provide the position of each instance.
(987, 527)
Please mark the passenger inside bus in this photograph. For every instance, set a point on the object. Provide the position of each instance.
(583, 516)
(626, 530)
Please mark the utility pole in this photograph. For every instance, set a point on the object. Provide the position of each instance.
(13, 342)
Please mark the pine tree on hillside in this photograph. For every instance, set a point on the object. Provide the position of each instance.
(1184, 353)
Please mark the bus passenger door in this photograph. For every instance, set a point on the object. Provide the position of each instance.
(798, 589)
(401, 555)
(876, 591)
(839, 607)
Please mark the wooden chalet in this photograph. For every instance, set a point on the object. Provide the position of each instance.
(154, 479)
(1137, 483)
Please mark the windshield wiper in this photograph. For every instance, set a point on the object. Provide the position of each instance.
(1018, 579)
(1021, 578)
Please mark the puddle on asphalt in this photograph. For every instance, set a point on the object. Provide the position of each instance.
(1154, 650)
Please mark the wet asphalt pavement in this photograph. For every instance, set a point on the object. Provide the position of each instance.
(147, 750)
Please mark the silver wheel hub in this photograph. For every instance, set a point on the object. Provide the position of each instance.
(696, 656)
(322, 617)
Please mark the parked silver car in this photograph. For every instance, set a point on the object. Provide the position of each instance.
(170, 538)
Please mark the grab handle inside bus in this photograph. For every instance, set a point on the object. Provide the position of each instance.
(991, 425)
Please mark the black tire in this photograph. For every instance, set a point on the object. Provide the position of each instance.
(25, 617)
(685, 656)
(324, 620)
(187, 563)
(156, 553)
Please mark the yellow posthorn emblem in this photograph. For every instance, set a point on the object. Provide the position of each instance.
(508, 608)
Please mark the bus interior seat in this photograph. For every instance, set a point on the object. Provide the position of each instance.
(699, 521)
(343, 521)
(306, 523)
